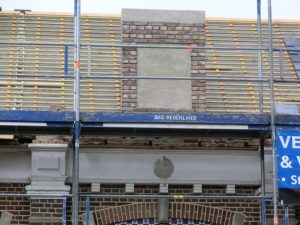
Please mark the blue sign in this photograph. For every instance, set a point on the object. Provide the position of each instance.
(288, 159)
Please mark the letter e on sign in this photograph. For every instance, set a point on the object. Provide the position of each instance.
(296, 142)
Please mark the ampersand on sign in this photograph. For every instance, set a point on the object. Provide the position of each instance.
(286, 163)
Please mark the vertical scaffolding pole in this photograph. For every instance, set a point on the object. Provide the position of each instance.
(261, 109)
(273, 133)
(75, 175)
(64, 219)
(286, 215)
(263, 183)
(66, 66)
(87, 210)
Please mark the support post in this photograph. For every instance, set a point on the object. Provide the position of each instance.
(75, 175)
(263, 181)
(286, 215)
(273, 133)
(261, 109)
(66, 63)
(87, 209)
(64, 220)
(163, 210)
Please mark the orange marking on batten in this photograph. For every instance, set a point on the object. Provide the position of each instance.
(77, 64)
(190, 47)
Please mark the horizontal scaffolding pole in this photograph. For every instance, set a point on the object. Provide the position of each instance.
(33, 195)
(37, 76)
(132, 196)
(114, 77)
(36, 43)
(177, 196)
(117, 77)
(188, 46)
(171, 78)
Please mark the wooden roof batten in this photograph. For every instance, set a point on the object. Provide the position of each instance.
(50, 60)
(221, 96)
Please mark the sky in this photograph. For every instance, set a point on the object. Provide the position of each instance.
(282, 9)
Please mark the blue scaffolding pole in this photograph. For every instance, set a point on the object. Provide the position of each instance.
(75, 174)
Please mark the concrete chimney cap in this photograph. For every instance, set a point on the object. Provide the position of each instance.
(167, 16)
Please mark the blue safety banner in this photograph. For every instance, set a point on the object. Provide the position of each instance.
(288, 165)
(288, 161)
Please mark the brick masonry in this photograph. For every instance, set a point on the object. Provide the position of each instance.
(185, 143)
(46, 211)
(29, 211)
(177, 210)
(18, 206)
(251, 208)
(162, 33)
(26, 210)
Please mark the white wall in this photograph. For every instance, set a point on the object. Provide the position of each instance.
(15, 165)
(136, 166)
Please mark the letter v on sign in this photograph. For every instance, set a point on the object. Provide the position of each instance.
(285, 143)
(298, 158)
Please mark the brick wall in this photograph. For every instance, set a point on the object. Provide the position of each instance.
(162, 33)
(49, 211)
(170, 143)
(184, 211)
(18, 206)
(29, 211)
(251, 208)
(46, 211)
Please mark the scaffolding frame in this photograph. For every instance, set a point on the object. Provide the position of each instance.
(272, 125)
(77, 123)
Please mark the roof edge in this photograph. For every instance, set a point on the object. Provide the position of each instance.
(118, 16)
(64, 14)
(249, 20)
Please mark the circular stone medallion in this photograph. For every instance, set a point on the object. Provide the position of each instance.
(163, 167)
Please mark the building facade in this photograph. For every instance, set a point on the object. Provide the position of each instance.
(176, 140)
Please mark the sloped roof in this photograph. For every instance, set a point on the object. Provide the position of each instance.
(40, 93)
(105, 95)
(228, 96)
